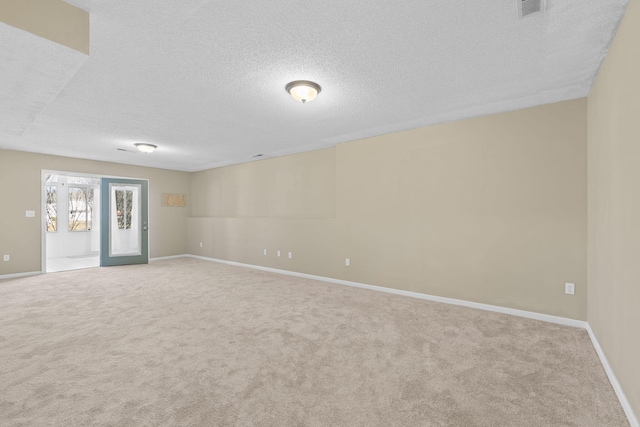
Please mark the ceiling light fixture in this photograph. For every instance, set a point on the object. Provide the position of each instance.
(303, 90)
(145, 148)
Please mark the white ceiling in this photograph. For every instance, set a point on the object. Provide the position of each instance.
(204, 80)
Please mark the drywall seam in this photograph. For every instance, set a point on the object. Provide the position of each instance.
(628, 410)
(487, 307)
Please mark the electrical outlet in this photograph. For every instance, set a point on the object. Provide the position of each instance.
(278, 253)
(200, 244)
(264, 251)
(569, 288)
(6, 258)
(347, 262)
(290, 255)
(30, 214)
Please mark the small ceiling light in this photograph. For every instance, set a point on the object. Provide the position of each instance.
(145, 148)
(303, 90)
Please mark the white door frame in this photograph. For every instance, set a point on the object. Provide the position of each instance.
(43, 207)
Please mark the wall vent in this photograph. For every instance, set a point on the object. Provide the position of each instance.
(530, 7)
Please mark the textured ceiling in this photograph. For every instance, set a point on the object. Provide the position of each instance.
(33, 71)
(204, 80)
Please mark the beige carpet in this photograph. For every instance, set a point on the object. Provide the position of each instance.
(193, 343)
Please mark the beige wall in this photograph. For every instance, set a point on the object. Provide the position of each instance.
(300, 186)
(55, 20)
(286, 203)
(614, 206)
(20, 174)
(491, 209)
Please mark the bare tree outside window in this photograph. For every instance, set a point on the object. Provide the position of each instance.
(89, 208)
(52, 208)
(129, 207)
(123, 208)
(80, 208)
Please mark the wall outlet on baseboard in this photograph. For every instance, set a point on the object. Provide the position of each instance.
(290, 255)
(278, 253)
(200, 244)
(6, 257)
(264, 251)
(570, 288)
(347, 262)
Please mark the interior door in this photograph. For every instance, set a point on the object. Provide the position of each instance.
(125, 218)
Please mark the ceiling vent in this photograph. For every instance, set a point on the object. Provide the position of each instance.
(530, 7)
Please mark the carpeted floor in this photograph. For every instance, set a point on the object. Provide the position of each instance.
(186, 342)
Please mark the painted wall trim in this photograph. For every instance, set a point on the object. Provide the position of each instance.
(16, 275)
(628, 410)
(487, 307)
(162, 258)
(633, 420)
(624, 402)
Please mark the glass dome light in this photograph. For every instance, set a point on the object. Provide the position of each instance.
(303, 90)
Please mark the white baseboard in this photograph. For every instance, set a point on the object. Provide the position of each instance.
(16, 275)
(631, 416)
(487, 307)
(624, 402)
(168, 257)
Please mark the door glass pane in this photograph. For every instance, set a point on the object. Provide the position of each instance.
(128, 206)
(125, 232)
(120, 208)
(124, 203)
